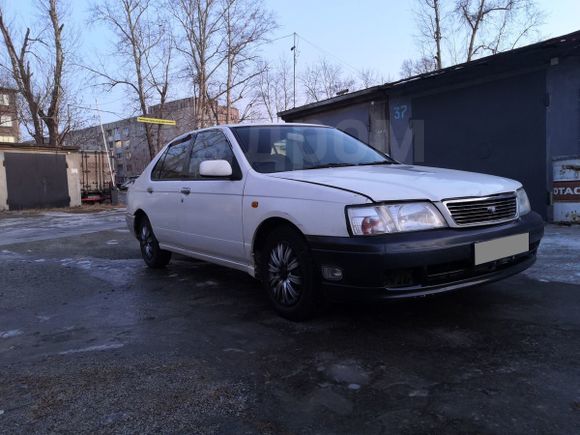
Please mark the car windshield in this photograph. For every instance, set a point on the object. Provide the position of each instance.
(292, 148)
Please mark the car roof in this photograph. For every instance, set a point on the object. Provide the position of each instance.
(228, 126)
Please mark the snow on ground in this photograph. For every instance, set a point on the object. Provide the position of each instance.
(558, 256)
(51, 225)
(557, 259)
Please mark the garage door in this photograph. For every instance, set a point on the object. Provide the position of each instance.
(36, 180)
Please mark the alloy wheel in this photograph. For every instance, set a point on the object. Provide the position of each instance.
(147, 241)
(284, 275)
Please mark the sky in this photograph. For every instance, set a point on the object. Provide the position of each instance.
(361, 34)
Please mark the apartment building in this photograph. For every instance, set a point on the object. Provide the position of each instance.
(9, 130)
(126, 139)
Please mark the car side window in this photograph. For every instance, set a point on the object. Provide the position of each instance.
(209, 145)
(174, 163)
(158, 169)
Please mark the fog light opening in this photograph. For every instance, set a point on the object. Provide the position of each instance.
(332, 273)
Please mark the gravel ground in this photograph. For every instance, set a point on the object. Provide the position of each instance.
(92, 341)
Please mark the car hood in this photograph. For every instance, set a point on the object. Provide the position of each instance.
(404, 182)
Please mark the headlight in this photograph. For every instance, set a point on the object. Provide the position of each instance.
(523, 202)
(393, 218)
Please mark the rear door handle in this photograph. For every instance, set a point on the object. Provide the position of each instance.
(185, 190)
(149, 190)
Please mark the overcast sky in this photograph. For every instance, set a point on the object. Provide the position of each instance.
(373, 34)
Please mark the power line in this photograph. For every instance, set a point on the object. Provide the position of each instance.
(281, 37)
(330, 54)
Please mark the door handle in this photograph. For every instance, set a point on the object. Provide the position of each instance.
(185, 190)
(149, 190)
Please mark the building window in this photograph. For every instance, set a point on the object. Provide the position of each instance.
(5, 121)
(126, 132)
(4, 99)
(7, 139)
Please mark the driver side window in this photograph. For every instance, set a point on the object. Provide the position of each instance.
(174, 162)
(209, 145)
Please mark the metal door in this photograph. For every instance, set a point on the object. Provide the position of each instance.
(36, 180)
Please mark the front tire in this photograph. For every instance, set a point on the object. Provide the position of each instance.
(286, 273)
(153, 255)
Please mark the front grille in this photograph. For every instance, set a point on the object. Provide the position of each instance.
(479, 211)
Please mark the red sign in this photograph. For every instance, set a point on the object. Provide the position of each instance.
(566, 191)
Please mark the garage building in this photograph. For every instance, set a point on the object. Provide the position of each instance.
(38, 177)
(510, 114)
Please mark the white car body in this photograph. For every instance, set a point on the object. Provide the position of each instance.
(218, 219)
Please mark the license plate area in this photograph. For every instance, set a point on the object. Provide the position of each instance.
(496, 249)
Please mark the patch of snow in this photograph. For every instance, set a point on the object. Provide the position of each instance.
(419, 393)
(93, 348)
(11, 333)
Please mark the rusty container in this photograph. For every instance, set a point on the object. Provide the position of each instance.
(566, 189)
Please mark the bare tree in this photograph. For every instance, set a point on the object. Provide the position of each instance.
(368, 77)
(159, 67)
(200, 25)
(36, 65)
(246, 25)
(494, 25)
(324, 80)
(274, 91)
(413, 67)
(141, 39)
(430, 22)
(466, 29)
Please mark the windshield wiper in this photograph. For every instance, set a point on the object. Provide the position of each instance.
(384, 162)
(331, 165)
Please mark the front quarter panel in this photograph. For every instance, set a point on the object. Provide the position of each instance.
(313, 209)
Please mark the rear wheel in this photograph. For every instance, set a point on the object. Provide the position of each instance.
(287, 275)
(152, 254)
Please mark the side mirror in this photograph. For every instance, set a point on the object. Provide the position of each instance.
(215, 168)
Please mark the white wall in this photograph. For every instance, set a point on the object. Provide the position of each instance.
(3, 184)
(73, 174)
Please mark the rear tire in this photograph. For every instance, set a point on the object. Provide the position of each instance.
(286, 272)
(153, 255)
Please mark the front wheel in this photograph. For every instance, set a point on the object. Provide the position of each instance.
(286, 273)
(152, 254)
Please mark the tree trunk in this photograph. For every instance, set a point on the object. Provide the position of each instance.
(438, 35)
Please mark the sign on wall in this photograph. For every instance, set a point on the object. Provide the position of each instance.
(566, 191)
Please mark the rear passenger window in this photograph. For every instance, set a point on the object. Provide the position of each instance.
(209, 145)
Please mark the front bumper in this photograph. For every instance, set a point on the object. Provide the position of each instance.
(394, 266)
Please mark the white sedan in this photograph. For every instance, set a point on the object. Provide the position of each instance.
(315, 214)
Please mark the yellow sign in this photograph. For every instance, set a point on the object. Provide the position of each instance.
(156, 121)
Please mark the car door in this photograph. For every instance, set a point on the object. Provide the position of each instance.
(163, 191)
(211, 220)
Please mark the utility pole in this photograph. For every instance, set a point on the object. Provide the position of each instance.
(294, 51)
(105, 144)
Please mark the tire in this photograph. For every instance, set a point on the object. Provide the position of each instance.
(153, 255)
(287, 275)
